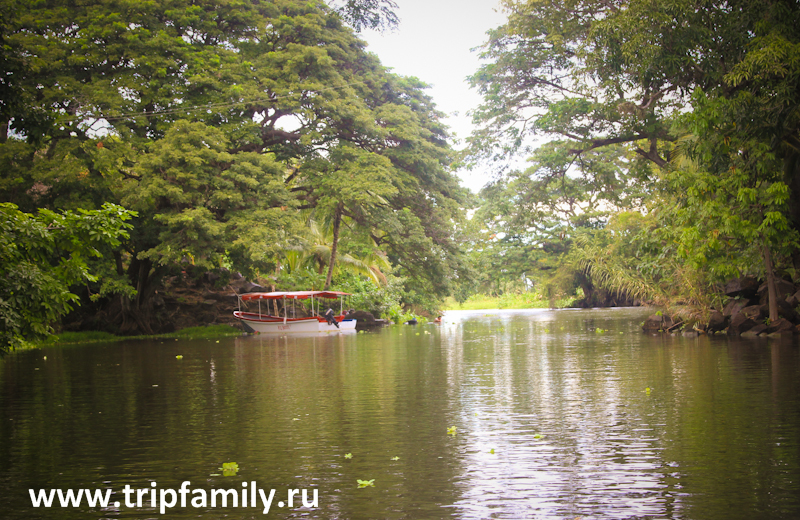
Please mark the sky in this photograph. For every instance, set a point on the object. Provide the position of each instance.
(433, 43)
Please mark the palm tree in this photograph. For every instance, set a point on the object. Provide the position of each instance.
(318, 245)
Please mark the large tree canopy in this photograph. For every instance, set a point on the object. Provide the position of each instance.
(217, 121)
(703, 95)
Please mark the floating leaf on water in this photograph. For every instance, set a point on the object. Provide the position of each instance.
(214, 475)
(451, 430)
(295, 418)
(348, 455)
(366, 483)
(537, 436)
(395, 458)
(45, 358)
(491, 451)
(647, 390)
(178, 357)
(229, 469)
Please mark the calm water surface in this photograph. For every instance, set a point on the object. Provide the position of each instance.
(552, 420)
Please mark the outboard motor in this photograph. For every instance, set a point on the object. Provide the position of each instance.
(329, 317)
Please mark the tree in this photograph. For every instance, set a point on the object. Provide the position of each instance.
(312, 252)
(368, 14)
(205, 205)
(218, 121)
(597, 74)
(41, 257)
(348, 181)
(531, 217)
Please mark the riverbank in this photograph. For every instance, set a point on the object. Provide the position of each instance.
(95, 336)
(529, 300)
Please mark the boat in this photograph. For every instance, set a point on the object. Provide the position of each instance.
(266, 323)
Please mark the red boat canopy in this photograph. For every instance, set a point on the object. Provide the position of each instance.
(297, 295)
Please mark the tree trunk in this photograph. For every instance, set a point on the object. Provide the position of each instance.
(141, 281)
(118, 263)
(337, 220)
(588, 290)
(771, 288)
(791, 176)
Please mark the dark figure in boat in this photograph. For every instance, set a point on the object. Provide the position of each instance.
(329, 317)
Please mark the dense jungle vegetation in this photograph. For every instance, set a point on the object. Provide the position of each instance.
(146, 140)
(672, 157)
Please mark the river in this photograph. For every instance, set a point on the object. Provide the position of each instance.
(492, 414)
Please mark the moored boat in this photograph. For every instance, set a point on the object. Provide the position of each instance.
(266, 323)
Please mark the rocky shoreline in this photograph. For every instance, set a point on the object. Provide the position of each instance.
(746, 313)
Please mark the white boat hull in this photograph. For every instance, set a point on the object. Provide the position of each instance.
(272, 325)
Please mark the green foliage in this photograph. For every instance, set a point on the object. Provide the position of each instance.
(528, 221)
(509, 300)
(229, 469)
(206, 204)
(366, 483)
(368, 14)
(398, 316)
(207, 331)
(69, 337)
(700, 104)
(309, 255)
(41, 257)
(370, 297)
(218, 123)
(91, 336)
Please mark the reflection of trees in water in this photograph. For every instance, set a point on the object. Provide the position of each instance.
(565, 411)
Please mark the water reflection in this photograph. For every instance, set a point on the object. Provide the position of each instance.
(552, 413)
(550, 433)
(564, 425)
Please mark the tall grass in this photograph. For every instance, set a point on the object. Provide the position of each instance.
(93, 336)
(528, 300)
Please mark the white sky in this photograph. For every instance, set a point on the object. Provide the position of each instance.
(433, 43)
